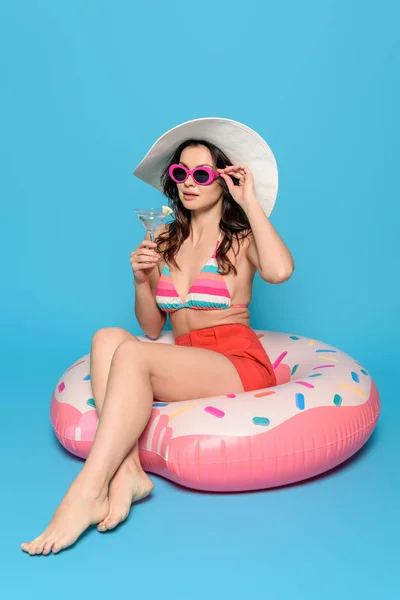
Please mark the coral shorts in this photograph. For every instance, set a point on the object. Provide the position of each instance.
(241, 345)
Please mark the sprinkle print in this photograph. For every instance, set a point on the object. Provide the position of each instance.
(337, 400)
(300, 401)
(263, 394)
(305, 383)
(279, 360)
(294, 369)
(214, 411)
(75, 365)
(261, 421)
(325, 354)
(329, 358)
(352, 388)
(180, 411)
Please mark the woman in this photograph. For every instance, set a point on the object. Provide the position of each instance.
(219, 222)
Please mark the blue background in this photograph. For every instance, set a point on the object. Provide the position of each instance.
(86, 88)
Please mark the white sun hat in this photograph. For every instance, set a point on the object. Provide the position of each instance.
(242, 145)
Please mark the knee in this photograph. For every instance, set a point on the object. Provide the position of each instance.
(131, 348)
(110, 335)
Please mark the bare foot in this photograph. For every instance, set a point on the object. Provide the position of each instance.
(80, 508)
(129, 484)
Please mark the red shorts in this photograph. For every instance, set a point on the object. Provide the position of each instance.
(241, 345)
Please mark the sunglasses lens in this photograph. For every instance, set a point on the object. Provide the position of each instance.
(201, 176)
(179, 174)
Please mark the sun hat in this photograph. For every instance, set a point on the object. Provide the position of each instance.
(240, 143)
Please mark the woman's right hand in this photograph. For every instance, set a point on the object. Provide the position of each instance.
(143, 260)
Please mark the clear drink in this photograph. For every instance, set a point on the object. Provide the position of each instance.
(152, 218)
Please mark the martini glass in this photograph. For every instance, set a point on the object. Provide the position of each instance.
(151, 219)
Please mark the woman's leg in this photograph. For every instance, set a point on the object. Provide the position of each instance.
(139, 372)
(125, 487)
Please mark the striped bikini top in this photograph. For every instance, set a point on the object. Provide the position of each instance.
(208, 291)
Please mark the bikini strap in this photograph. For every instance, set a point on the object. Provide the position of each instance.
(216, 245)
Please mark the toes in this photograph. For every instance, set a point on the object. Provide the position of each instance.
(29, 546)
(108, 523)
(101, 527)
(37, 548)
(47, 547)
(32, 547)
(37, 545)
(40, 546)
(111, 523)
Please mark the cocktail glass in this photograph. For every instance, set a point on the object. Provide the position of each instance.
(151, 219)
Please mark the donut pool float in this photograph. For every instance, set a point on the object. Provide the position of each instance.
(322, 411)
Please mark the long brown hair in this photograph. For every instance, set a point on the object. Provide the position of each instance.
(234, 222)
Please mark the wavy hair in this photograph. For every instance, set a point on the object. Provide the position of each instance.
(234, 222)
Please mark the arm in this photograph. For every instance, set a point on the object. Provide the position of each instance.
(150, 318)
(266, 250)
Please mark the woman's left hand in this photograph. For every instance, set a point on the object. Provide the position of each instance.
(244, 192)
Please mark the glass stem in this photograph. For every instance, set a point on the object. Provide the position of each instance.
(152, 236)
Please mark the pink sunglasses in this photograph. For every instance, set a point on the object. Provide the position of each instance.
(201, 175)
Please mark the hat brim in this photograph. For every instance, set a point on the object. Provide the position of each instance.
(240, 143)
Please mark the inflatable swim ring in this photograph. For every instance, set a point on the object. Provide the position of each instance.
(322, 411)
